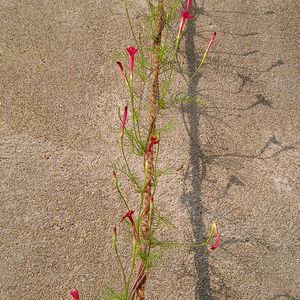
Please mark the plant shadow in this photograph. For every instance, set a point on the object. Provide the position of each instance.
(192, 199)
(199, 160)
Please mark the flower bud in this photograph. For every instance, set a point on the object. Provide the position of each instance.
(75, 294)
(217, 243)
(121, 69)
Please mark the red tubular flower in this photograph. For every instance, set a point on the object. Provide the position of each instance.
(217, 243)
(132, 52)
(75, 294)
(125, 117)
(185, 15)
(128, 215)
(189, 4)
(153, 141)
(212, 39)
(121, 69)
(114, 232)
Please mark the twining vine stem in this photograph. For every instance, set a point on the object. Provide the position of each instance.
(138, 288)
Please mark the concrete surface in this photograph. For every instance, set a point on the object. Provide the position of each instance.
(236, 160)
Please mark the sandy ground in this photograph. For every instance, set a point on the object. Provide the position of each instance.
(236, 161)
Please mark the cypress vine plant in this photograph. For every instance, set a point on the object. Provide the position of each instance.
(152, 64)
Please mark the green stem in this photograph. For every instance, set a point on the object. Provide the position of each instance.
(200, 65)
(151, 213)
(136, 126)
(120, 264)
(169, 80)
(190, 245)
(155, 167)
(131, 176)
(120, 193)
(132, 29)
(133, 263)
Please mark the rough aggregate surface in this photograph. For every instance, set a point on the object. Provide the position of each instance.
(235, 161)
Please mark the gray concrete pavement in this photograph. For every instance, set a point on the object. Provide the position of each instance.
(236, 160)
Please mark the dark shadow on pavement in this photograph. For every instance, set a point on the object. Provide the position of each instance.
(193, 199)
(196, 174)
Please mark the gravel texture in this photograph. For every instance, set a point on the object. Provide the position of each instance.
(235, 161)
